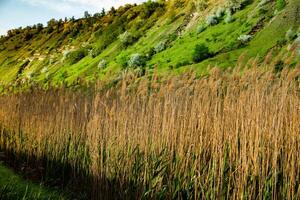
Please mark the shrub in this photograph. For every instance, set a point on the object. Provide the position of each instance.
(263, 2)
(212, 20)
(136, 61)
(160, 47)
(29, 75)
(290, 35)
(102, 64)
(228, 18)
(200, 29)
(126, 39)
(44, 70)
(201, 52)
(280, 4)
(65, 54)
(220, 12)
(244, 38)
(95, 52)
(150, 52)
(75, 56)
(182, 63)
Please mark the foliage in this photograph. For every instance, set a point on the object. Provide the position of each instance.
(263, 2)
(201, 52)
(160, 47)
(290, 35)
(244, 38)
(220, 12)
(280, 4)
(122, 143)
(201, 28)
(96, 51)
(75, 56)
(228, 19)
(212, 20)
(136, 60)
(127, 39)
(102, 64)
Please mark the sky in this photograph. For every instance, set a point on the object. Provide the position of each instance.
(17, 13)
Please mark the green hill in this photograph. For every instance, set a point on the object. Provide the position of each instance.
(162, 36)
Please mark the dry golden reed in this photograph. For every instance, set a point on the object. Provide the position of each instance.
(229, 135)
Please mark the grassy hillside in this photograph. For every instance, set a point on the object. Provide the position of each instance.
(155, 36)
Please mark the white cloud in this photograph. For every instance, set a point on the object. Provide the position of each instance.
(74, 6)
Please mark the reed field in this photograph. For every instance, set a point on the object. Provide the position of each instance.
(233, 134)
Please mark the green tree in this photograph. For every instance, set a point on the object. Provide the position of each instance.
(201, 52)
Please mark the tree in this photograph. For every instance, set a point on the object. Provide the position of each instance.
(112, 11)
(87, 14)
(201, 52)
(39, 27)
(103, 12)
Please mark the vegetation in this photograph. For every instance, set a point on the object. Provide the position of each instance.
(201, 52)
(168, 138)
(164, 31)
(125, 104)
(13, 187)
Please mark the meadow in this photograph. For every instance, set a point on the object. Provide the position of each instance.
(232, 134)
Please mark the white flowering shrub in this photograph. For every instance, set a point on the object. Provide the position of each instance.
(220, 12)
(126, 38)
(29, 75)
(244, 38)
(136, 60)
(212, 20)
(65, 54)
(160, 47)
(102, 64)
(290, 35)
(44, 70)
(297, 43)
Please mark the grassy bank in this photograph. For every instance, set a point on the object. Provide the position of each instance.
(13, 187)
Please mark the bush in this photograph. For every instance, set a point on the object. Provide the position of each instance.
(75, 56)
(220, 12)
(280, 4)
(95, 52)
(102, 64)
(263, 2)
(182, 63)
(228, 18)
(136, 61)
(126, 39)
(44, 70)
(150, 52)
(212, 20)
(200, 29)
(244, 38)
(290, 35)
(201, 52)
(160, 47)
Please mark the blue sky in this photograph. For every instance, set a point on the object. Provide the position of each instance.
(16, 13)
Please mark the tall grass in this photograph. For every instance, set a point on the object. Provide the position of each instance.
(230, 135)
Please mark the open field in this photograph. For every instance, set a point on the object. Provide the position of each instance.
(231, 135)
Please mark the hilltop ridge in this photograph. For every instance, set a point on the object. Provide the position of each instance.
(168, 36)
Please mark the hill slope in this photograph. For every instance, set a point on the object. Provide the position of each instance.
(155, 35)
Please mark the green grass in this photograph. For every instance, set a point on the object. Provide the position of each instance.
(13, 187)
